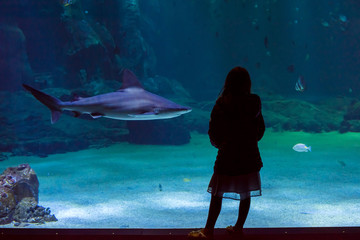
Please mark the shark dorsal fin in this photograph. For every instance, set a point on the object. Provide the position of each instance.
(129, 80)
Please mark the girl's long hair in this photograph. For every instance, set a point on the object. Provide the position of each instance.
(237, 83)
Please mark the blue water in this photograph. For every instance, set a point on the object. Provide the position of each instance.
(108, 173)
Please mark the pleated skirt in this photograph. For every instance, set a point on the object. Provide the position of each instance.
(235, 187)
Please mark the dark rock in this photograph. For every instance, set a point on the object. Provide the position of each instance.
(19, 196)
(298, 115)
(7, 204)
(282, 114)
(16, 183)
(351, 121)
(350, 126)
(29, 212)
(105, 36)
(87, 48)
(23, 182)
(14, 65)
(353, 112)
(134, 52)
(345, 126)
(80, 33)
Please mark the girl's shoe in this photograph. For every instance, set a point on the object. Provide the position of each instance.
(232, 230)
(202, 234)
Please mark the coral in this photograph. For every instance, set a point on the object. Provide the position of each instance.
(29, 212)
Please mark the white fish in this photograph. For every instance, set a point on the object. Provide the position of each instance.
(300, 147)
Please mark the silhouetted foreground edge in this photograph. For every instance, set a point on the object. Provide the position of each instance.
(330, 233)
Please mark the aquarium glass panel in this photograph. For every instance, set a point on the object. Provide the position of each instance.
(105, 109)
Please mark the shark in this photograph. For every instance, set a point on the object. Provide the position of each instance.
(130, 102)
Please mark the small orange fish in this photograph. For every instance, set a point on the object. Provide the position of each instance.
(187, 180)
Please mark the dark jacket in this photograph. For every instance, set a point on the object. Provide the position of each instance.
(236, 125)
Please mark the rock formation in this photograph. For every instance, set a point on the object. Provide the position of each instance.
(14, 65)
(19, 197)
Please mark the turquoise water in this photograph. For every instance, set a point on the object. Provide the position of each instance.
(118, 186)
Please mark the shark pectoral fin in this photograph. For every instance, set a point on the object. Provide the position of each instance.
(144, 114)
(55, 115)
(96, 115)
(155, 111)
(76, 114)
(150, 113)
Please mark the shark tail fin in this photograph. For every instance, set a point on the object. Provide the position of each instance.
(52, 103)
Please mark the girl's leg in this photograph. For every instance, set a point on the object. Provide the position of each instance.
(214, 211)
(243, 212)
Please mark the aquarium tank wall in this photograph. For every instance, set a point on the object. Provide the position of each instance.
(72, 167)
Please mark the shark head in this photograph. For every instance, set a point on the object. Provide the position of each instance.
(170, 112)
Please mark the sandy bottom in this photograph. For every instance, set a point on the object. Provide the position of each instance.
(143, 186)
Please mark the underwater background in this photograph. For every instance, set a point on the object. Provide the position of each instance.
(303, 59)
